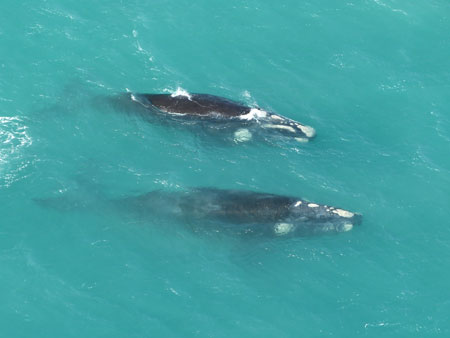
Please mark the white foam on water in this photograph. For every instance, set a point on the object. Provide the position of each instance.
(13, 137)
(246, 94)
(135, 99)
(172, 113)
(254, 114)
(181, 92)
(396, 10)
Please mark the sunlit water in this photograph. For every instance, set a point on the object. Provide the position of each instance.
(372, 77)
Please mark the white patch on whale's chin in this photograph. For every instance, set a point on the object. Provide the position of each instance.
(301, 139)
(347, 227)
(254, 113)
(181, 92)
(283, 228)
(307, 130)
(242, 135)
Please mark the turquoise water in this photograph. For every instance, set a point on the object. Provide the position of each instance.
(371, 76)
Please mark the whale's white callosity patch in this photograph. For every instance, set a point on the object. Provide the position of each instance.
(242, 135)
(279, 126)
(254, 113)
(181, 92)
(297, 203)
(343, 213)
(313, 205)
(307, 130)
(283, 228)
(276, 117)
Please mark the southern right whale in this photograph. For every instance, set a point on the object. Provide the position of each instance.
(234, 212)
(244, 213)
(242, 122)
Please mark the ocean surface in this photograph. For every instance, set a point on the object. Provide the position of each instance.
(371, 76)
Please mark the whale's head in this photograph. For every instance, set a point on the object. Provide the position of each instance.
(288, 128)
(307, 218)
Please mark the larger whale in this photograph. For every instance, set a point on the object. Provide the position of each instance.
(232, 212)
(244, 213)
(242, 121)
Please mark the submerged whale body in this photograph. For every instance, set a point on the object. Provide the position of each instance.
(243, 120)
(244, 212)
(231, 212)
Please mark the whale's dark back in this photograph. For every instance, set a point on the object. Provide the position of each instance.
(196, 104)
(239, 206)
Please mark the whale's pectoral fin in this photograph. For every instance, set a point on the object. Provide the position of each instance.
(242, 135)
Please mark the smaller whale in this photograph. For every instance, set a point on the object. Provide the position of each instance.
(220, 114)
(244, 213)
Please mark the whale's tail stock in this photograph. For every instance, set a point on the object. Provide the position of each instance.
(84, 194)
